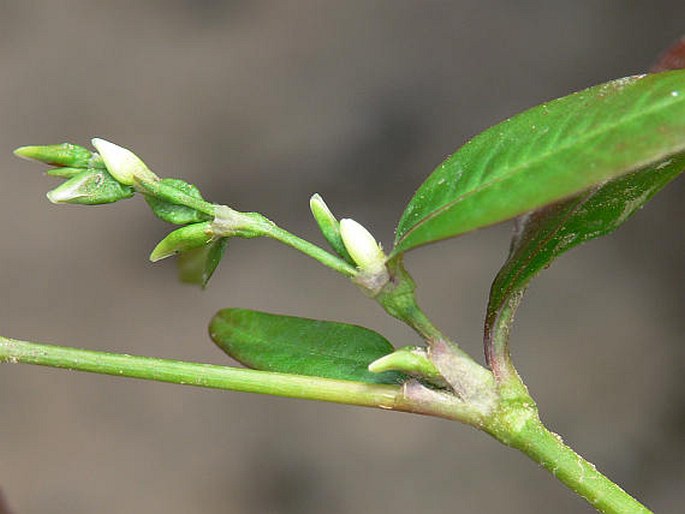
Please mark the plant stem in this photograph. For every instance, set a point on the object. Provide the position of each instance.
(173, 195)
(581, 476)
(516, 424)
(228, 222)
(326, 258)
(496, 339)
(471, 382)
(255, 223)
(205, 375)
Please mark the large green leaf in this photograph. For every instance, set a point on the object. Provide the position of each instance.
(301, 346)
(548, 153)
(543, 235)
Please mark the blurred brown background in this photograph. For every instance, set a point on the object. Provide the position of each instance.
(262, 103)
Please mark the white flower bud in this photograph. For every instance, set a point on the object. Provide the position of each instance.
(362, 246)
(123, 164)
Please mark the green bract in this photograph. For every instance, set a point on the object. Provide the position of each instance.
(90, 187)
(301, 346)
(183, 239)
(197, 266)
(329, 226)
(173, 213)
(548, 153)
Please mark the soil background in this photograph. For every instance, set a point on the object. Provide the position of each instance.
(262, 103)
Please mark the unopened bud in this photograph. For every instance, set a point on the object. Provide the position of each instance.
(182, 240)
(90, 187)
(362, 246)
(123, 164)
(64, 154)
(329, 226)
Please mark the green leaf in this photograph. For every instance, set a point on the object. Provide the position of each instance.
(197, 266)
(545, 234)
(301, 346)
(177, 214)
(548, 153)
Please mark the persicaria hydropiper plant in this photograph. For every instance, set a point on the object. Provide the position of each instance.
(566, 171)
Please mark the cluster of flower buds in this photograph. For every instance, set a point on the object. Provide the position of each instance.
(115, 173)
(353, 243)
(88, 180)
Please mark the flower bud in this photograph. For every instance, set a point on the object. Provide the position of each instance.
(64, 154)
(182, 240)
(90, 187)
(123, 164)
(362, 246)
(329, 226)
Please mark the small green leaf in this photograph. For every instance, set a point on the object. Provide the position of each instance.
(65, 154)
(545, 234)
(197, 266)
(287, 344)
(177, 214)
(90, 187)
(548, 153)
(182, 240)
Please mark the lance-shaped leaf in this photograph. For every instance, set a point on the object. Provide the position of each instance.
(301, 346)
(548, 153)
(545, 234)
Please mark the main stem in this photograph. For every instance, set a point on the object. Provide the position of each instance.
(521, 428)
(506, 409)
(204, 375)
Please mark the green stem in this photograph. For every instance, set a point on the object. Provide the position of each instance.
(472, 383)
(205, 375)
(173, 195)
(256, 224)
(525, 432)
(496, 339)
(326, 258)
